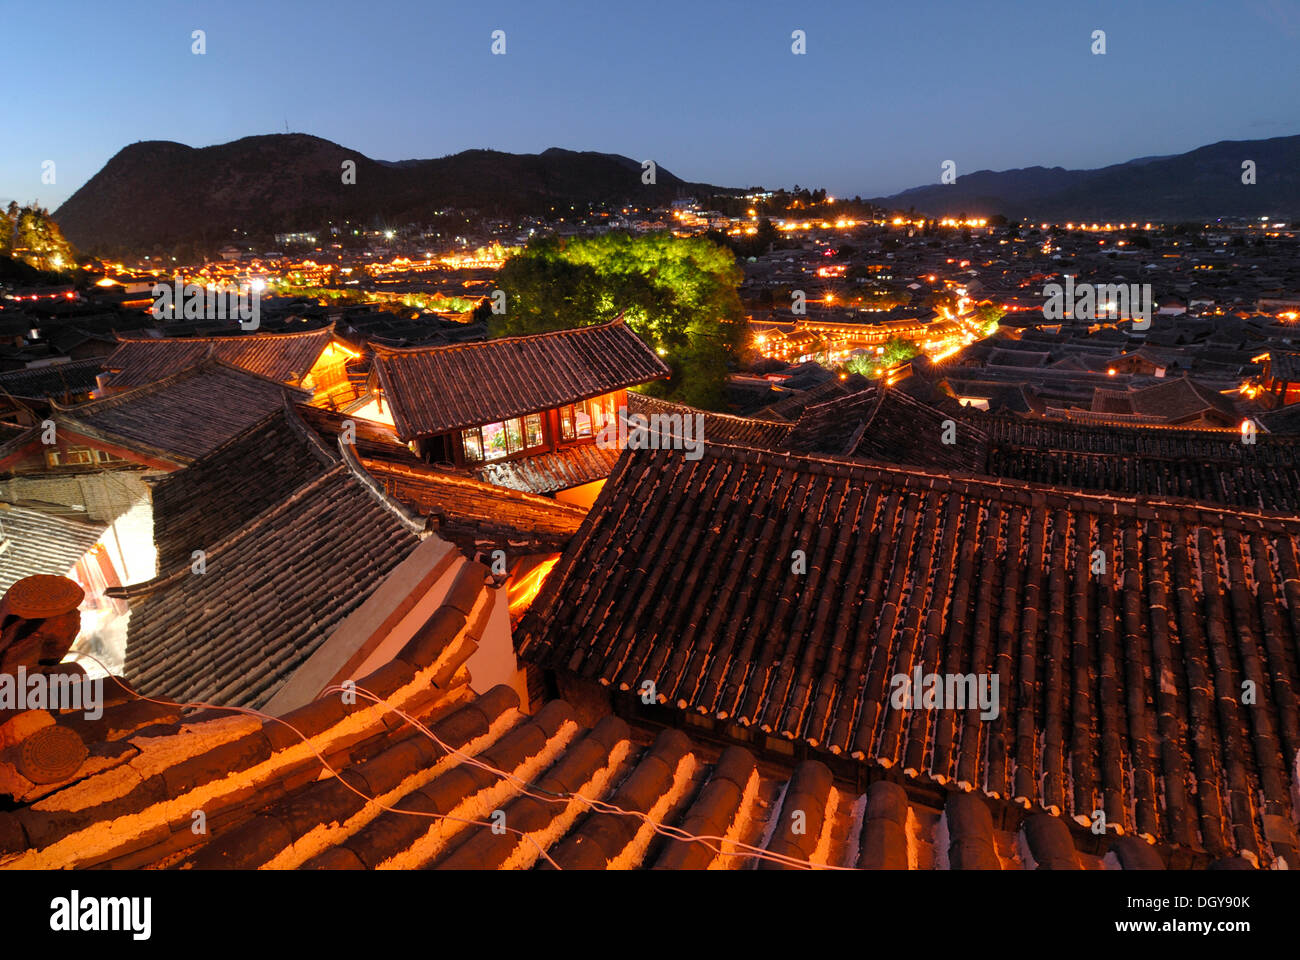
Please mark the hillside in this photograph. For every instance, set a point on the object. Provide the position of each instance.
(1201, 184)
(158, 193)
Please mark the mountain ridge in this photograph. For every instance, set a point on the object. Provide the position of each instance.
(1203, 183)
(157, 193)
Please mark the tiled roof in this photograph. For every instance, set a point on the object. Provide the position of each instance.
(1112, 401)
(1119, 689)
(373, 440)
(1180, 399)
(339, 785)
(436, 389)
(792, 405)
(283, 357)
(346, 785)
(268, 594)
(185, 415)
(57, 380)
(215, 496)
(1212, 466)
(718, 427)
(1018, 358)
(549, 472)
(1284, 366)
(890, 426)
(1283, 420)
(465, 505)
(33, 542)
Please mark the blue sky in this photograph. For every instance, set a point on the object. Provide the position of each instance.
(710, 90)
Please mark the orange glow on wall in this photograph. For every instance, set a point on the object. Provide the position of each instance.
(524, 590)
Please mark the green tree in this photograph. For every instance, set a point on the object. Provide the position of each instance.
(897, 350)
(990, 313)
(30, 235)
(863, 365)
(678, 293)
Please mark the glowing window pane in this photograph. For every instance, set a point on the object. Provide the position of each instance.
(494, 441)
(533, 430)
(473, 445)
(514, 435)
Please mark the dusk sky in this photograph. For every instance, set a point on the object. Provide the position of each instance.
(709, 90)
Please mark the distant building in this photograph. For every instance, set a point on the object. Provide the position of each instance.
(1281, 376)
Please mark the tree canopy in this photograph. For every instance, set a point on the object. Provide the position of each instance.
(678, 293)
(28, 234)
(895, 351)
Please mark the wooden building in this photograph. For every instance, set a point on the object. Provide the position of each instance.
(1281, 376)
(313, 360)
(1119, 680)
(522, 412)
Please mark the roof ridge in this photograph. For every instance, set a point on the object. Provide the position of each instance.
(157, 386)
(419, 525)
(264, 334)
(441, 476)
(992, 487)
(299, 426)
(146, 587)
(382, 349)
(645, 397)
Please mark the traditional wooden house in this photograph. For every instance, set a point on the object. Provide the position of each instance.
(1118, 630)
(1180, 402)
(313, 360)
(25, 394)
(81, 478)
(1280, 377)
(522, 412)
(270, 590)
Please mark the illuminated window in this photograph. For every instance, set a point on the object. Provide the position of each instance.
(494, 441)
(70, 456)
(584, 418)
(581, 420)
(533, 430)
(472, 443)
(514, 435)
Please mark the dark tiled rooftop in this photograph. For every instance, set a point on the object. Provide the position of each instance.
(60, 381)
(1099, 672)
(436, 389)
(282, 357)
(269, 593)
(184, 416)
(209, 500)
